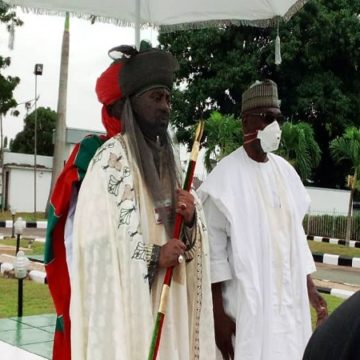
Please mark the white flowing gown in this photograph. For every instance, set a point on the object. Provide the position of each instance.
(258, 248)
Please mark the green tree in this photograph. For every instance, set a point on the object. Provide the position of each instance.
(299, 147)
(223, 135)
(347, 148)
(216, 66)
(319, 79)
(7, 83)
(24, 140)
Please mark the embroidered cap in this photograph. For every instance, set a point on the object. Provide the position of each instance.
(260, 94)
(148, 69)
(135, 72)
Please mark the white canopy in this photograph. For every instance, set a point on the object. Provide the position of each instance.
(173, 13)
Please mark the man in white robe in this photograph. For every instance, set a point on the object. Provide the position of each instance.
(254, 204)
(122, 234)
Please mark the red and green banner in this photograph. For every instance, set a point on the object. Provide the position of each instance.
(55, 255)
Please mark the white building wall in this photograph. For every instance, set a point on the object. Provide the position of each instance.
(328, 201)
(27, 159)
(21, 189)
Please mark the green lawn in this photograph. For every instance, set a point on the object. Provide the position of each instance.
(37, 298)
(36, 247)
(6, 215)
(332, 301)
(333, 249)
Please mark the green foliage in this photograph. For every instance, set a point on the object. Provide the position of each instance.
(24, 140)
(319, 79)
(299, 147)
(223, 135)
(347, 147)
(7, 83)
(7, 86)
(210, 67)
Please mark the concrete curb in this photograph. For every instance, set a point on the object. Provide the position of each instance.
(341, 293)
(28, 224)
(352, 243)
(340, 260)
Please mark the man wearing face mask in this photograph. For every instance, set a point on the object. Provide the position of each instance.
(125, 192)
(254, 204)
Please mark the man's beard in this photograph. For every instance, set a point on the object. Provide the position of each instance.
(157, 165)
(156, 129)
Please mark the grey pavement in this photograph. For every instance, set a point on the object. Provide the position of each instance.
(338, 274)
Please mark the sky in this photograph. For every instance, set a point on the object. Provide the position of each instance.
(39, 41)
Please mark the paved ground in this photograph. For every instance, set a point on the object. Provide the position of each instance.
(27, 338)
(339, 277)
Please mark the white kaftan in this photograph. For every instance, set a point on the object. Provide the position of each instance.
(112, 309)
(258, 248)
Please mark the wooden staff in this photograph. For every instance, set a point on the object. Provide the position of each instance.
(155, 341)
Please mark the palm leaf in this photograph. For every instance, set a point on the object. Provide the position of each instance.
(299, 147)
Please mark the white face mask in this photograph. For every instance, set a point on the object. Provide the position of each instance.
(270, 137)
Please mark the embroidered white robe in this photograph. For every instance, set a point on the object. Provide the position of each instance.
(258, 249)
(112, 308)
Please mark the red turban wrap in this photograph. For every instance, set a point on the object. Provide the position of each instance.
(107, 85)
(108, 91)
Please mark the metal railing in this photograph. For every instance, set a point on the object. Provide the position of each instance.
(331, 225)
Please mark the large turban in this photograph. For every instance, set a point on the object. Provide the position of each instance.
(128, 76)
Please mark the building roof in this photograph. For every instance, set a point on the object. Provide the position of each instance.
(74, 135)
(27, 160)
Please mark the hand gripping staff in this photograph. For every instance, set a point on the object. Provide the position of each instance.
(155, 341)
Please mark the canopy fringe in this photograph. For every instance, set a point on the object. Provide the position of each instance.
(273, 22)
(217, 23)
(85, 16)
(169, 28)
